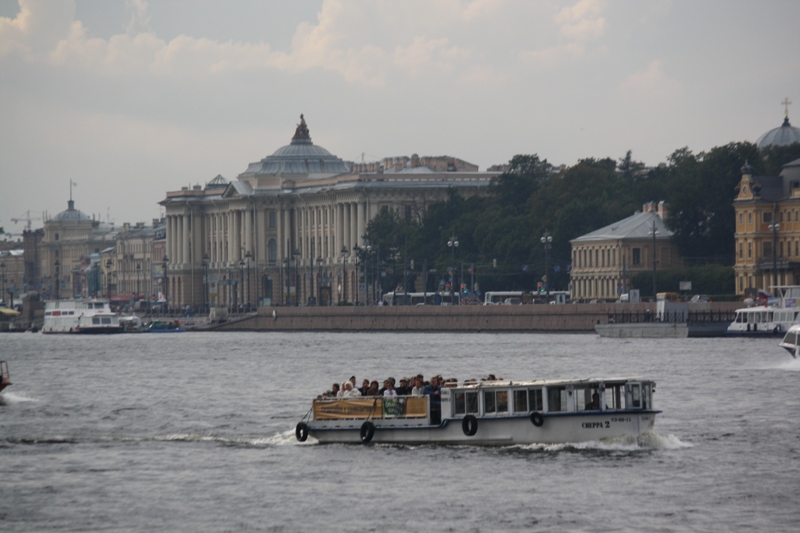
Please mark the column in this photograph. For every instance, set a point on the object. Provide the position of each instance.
(186, 236)
(339, 232)
(248, 231)
(360, 226)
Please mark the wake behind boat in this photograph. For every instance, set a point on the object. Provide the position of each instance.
(5, 377)
(80, 316)
(490, 413)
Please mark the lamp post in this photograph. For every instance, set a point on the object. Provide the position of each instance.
(357, 249)
(368, 249)
(319, 282)
(241, 276)
(654, 233)
(774, 227)
(3, 280)
(206, 261)
(248, 256)
(109, 263)
(452, 244)
(138, 278)
(288, 293)
(311, 299)
(58, 278)
(164, 263)
(297, 278)
(547, 241)
(344, 273)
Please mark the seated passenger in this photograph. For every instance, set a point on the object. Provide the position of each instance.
(349, 391)
(403, 389)
(333, 392)
(364, 387)
(373, 389)
(433, 390)
(419, 386)
(388, 388)
(594, 405)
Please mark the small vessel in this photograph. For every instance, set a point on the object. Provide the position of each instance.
(80, 316)
(5, 377)
(131, 324)
(159, 326)
(773, 316)
(790, 341)
(490, 413)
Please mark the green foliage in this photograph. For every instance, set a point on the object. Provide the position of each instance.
(774, 157)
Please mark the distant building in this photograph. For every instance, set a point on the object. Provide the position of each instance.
(767, 210)
(785, 135)
(604, 260)
(286, 230)
(12, 273)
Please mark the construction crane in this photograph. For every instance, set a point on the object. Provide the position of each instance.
(27, 218)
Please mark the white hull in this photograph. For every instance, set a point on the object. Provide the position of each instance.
(80, 317)
(499, 431)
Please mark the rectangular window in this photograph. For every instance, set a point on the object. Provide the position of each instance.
(556, 399)
(767, 217)
(749, 218)
(495, 402)
(466, 403)
(749, 250)
(637, 256)
(767, 249)
(273, 219)
(741, 218)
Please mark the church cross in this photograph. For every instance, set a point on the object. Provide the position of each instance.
(786, 103)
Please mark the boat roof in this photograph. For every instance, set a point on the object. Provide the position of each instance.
(543, 382)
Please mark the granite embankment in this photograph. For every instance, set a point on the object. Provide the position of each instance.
(521, 318)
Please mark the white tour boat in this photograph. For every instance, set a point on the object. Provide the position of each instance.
(790, 341)
(80, 316)
(490, 413)
(774, 317)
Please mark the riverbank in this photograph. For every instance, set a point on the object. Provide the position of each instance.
(567, 318)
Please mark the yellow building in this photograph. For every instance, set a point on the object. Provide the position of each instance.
(767, 229)
(604, 260)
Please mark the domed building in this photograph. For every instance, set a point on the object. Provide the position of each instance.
(286, 230)
(785, 135)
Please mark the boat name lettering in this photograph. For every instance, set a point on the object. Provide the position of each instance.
(347, 410)
(596, 425)
(621, 419)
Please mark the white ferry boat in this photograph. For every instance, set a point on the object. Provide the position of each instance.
(773, 318)
(80, 316)
(490, 413)
(790, 341)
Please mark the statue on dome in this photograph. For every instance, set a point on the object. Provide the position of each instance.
(302, 130)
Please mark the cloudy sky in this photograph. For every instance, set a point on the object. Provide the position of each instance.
(132, 98)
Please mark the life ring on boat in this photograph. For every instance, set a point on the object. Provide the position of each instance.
(537, 419)
(469, 425)
(367, 432)
(301, 431)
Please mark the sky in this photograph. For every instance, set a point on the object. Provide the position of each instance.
(130, 99)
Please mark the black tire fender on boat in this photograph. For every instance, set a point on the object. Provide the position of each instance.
(301, 431)
(469, 425)
(537, 419)
(367, 432)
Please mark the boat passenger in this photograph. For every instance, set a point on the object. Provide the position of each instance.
(594, 405)
(419, 387)
(389, 388)
(433, 390)
(373, 389)
(349, 391)
(403, 389)
(364, 387)
(333, 392)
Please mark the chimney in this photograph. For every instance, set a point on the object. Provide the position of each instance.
(663, 208)
(649, 207)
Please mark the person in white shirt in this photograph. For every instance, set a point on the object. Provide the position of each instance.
(389, 388)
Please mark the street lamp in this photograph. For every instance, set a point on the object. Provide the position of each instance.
(368, 249)
(654, 232)
(774, 227)
(164, 263)
(297, 278)
(547, 241)
(206, 261)
(248, 256)
(58, 278)
(357, 250)
(344, 273)
(109, 263)
(241, 276)
(452, 244)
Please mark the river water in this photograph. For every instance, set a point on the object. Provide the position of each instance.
(195, 432)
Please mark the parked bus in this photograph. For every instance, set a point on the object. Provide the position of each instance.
(420, 298)
(503, 297)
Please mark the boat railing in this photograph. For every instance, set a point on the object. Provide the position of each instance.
(370, 407)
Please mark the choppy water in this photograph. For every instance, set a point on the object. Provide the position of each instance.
(195, 432)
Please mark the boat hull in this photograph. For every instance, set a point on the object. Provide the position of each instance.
(495, 431)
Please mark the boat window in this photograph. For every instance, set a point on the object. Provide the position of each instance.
(790, 338)
(95, 320)
(614, 395)
(636, 396)
(106, 320)
(466, 402)
(585, 396)
(495, 401)
(556, 399)
(521, 401)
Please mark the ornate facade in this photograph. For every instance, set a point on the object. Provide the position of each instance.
(284, 232)
(767, 229)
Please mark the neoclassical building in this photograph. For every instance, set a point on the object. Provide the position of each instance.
(767, 229)
(284, 232)
(604, 260)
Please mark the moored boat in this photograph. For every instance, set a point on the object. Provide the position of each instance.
(158, 326)
(5, 377)
(490, 413)
(80, 316)
(773, 316)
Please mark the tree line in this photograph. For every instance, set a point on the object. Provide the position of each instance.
(499, 233)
